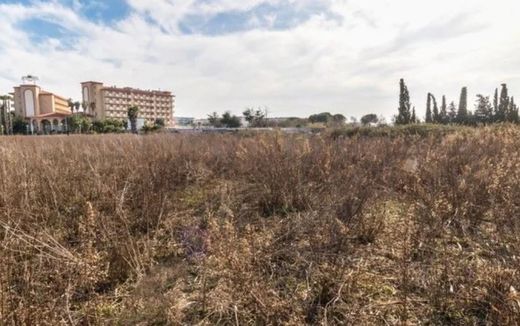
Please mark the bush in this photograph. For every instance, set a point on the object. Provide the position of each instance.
(412, 225)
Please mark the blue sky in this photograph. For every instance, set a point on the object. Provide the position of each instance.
(295, 57)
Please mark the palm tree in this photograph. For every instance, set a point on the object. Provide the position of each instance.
(132, 117)
(77, 105)
(5, 115)
(84, 105)
(71, 105)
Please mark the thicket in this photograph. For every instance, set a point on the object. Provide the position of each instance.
(265, 229)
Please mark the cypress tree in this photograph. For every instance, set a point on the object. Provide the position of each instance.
(503, 105)
(513, 111)
(435, 110)
(429, 109)
(443, 115)
(495, 105)
(462, 113)
(404, 115)
(413, 118)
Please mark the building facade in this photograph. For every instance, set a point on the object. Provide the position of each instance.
(113, 102)
(45, 112)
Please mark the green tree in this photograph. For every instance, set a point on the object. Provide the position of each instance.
(159, 123)
(483, 109)
(230, 121)
(443, 114)
(503, 105)
(77, 105)
(462, 113)
(339, 118)
(132, 114)
(369, 118)
(452, 112)
(435, 115)
(70, 104)
(414, 117)
(513, 111)
(6, 126)
(20, 126)
(429, 118)
(495, 105)
(215, 120)
(404, 115)
(323, 117)
(255, 118)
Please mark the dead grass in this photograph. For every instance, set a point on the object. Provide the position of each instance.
(268, 229)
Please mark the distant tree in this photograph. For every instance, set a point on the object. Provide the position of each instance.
(108, 126)
(255, 118)
(495, 105)
(132, 113)
(503, 105)
(429, 118)
(339, 118)
(323, 117)
(369, 118)
(70, 104)
(414, 117)
(483, 109)
(404, 115)
(214, 120)
(513, 111)
(159, 123)
(230, 121)
(443, 114)
(462, 113)
(77, 105)
(78, 124)
(435, 115)
(452, 112)
(5, 116)
(20, 126)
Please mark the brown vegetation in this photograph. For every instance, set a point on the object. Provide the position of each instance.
(264, 229)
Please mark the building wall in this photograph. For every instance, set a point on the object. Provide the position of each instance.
(30, 100)
(46, 103)
(61, 105)
(113, 102)
(26, 100)
(92, 93)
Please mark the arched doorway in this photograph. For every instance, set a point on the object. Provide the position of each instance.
(55, 126)
(46, 127)
(34, 127)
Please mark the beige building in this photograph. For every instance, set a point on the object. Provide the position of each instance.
(113, 102)
(44, 111)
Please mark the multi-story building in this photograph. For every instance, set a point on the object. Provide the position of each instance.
(113, 102)
(44, 111)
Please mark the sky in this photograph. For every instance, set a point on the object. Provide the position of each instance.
(292, 57)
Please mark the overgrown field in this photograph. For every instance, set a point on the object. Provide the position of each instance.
(264, 229)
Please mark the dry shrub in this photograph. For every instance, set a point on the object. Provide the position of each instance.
(260, 229)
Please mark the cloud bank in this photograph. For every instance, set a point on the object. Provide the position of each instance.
(296, 57)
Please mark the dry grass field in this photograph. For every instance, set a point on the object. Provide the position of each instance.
(265, 229)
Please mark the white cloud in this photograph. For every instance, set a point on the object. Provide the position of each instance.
(351, 66)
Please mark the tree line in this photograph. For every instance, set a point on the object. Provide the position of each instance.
(501, 109)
